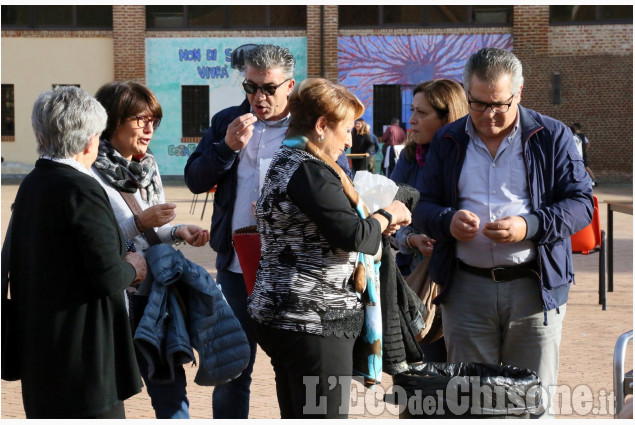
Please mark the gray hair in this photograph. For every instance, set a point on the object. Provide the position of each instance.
(490, 64)
(64, 120)
(267, 56)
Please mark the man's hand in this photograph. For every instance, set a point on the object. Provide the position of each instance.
(464, 225)
(506, 229)
(239, 132)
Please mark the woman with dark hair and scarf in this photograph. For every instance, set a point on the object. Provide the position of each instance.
(124, 165)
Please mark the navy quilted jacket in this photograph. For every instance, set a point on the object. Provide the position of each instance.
(167, 333)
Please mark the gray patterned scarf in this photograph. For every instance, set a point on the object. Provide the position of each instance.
(128, 176)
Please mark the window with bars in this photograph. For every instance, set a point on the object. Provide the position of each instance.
(195, 110)
(8, 113)
(573, 15)
(223, 17)
(427, 16)
(57, 17)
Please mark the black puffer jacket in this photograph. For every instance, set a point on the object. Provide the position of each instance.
(402, 312)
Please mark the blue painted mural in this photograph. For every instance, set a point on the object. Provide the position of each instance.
(175, 62)
(364, 61)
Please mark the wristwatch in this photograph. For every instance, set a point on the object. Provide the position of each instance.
(385, 214)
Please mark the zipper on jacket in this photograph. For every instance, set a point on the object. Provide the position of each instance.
(451, 269)
(531, 196)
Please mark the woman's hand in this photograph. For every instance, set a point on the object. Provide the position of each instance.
(193, 235)
(157, 215)
(401, 216)
(139, 264)
(422, 242)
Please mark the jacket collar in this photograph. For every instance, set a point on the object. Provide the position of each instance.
(529, 124)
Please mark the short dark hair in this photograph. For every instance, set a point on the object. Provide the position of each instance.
(124, 99)
(394, 121)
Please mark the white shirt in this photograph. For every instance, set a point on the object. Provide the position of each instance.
(578, 143)
(265, 140)
(493, 188)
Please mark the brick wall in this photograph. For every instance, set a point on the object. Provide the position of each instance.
(595, 64)
(128, 28)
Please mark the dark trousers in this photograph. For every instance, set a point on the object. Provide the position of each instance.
(313, 373)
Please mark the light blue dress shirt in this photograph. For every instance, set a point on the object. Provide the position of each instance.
(494, 188)
(267, 137)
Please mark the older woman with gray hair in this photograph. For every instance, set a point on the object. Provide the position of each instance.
(69, 269)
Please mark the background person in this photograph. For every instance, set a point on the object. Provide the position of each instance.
(434, 104)
(305, 312)
(362, 144)
(582, 143)
(69, 269)
(393, 136)
(374, 151)
(503, 191)
(124, 164)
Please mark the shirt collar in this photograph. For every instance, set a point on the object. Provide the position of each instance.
(284, 122)
(471, 131)
(71, 163)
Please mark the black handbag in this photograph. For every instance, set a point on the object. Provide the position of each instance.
(10, 349)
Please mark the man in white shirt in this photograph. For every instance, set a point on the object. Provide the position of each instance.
(230, 156)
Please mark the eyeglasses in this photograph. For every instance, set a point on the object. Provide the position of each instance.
(268, 89)
(142, 122)
(497, 108)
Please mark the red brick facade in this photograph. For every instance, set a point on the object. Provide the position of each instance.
(129, 44)
(596, 83)
(594, 64)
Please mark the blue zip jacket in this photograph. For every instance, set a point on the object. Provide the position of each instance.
(559, 188)
(166, 333)
(213, 163)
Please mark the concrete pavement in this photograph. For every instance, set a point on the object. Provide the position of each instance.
(589, 334)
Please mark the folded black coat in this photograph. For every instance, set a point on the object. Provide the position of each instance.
(402, 311)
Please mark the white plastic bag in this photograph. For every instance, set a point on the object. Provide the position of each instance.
(376, 191)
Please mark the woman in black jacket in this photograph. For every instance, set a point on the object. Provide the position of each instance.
(362, 144)
(69, 269)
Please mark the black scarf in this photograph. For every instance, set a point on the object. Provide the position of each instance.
(128, 176)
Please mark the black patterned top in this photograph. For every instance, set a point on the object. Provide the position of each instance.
(310, 235)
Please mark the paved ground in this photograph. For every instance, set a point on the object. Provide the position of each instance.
(588, 340)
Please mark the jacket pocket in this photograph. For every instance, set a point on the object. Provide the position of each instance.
(576, 166)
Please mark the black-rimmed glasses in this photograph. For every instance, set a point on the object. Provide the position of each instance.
(268, 89)
(497, 108)
(142, 122)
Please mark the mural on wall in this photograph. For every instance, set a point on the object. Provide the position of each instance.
(175, 62)
(364, 61)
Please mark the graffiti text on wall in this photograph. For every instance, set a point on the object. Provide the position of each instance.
(181, 150)
(209, 55)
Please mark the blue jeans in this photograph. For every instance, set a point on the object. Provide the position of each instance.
(168, 400)
(231, 400)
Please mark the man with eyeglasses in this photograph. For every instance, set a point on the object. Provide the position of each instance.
(230, 156)
(505, 188)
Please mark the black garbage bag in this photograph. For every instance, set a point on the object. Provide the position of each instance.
(467, 390)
